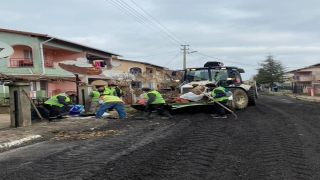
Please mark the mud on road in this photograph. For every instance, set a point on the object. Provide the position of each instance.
(277, 139)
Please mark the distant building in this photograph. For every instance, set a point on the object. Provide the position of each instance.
(307, 77)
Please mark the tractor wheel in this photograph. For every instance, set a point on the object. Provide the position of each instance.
(231, 105)
(252, 97)
(240, 98)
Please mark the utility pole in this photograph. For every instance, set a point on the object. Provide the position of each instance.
(185, 56)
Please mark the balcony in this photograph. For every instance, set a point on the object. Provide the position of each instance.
(21, 62)
(304, 78)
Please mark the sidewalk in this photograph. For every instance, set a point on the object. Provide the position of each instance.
(43, 130)
(39, 131)
(297, 96)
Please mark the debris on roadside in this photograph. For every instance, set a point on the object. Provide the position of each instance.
(62, 135)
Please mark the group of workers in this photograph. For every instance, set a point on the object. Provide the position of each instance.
(107, 97)
(102, 99)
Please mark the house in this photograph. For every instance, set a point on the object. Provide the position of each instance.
(145, 74)
(38, 55)
(307, 77)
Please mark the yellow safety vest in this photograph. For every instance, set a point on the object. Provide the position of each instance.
(220, 98)
(53, 101)
(159, 99)
(108, 90)
(96, 95)
(110, 98)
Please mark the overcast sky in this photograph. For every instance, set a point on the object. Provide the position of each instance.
(239, 32)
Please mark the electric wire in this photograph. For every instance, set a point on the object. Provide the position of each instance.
(155, 54)
(121, 7)
(173, 59)
(227, 60)
(147, 20)
(158, 22)
(197, 59)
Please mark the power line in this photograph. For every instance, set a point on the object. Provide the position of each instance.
(154, 54)
(120, 7)
(172, 59)
(146, 20)
(158, 22)
(194, 57)
(227, 60)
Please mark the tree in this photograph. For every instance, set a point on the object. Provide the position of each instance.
(270, 71)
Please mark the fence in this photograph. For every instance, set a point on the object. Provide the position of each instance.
(294, 88)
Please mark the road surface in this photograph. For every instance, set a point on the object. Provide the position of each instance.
(279, 138)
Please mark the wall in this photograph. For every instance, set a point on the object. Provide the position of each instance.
(63, 86)
(126, 65)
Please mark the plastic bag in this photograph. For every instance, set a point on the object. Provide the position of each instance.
(192, 96)
(142, 101)
(77, 109)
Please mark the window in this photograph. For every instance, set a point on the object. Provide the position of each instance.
(27, 54)
(135, 70)
(33, 86)
(136, 84)
(150, 84)
(43, 85)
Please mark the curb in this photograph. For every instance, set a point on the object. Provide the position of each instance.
(19, 142)
(302, 98)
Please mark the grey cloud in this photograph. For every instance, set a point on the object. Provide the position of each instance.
(240, 31)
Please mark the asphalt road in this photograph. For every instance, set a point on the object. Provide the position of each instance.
(276, 139)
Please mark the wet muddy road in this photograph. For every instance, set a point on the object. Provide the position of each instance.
(277, 139)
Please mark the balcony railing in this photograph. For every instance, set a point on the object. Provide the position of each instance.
(21, 62)
(304, 78)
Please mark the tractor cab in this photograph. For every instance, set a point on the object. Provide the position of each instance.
(212, 72)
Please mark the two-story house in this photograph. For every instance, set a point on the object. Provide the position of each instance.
(308, 77)
(37, 55)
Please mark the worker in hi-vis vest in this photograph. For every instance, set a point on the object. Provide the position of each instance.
(59, 105)
(94, 98)
(116, 90)
(154, 101)
(111, 101)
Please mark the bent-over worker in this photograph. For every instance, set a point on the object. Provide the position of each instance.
(219, 94)
(111, 101)
(154, 101)
(59, 105)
